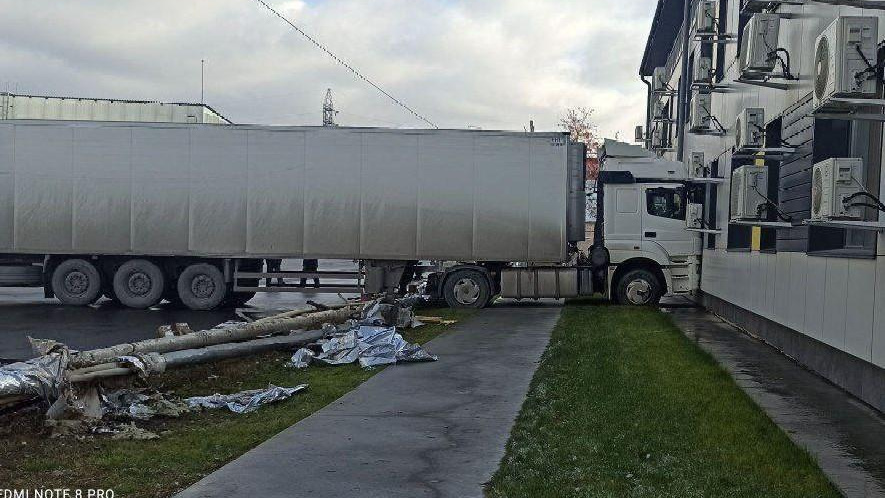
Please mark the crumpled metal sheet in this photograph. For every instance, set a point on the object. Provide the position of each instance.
(145, 365)
(41, 377)
(370, 345)
(245, 401)
(302, 358)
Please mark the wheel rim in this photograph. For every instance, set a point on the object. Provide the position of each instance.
(638, 291)
(139, 283)
(467, 291)
(76, 283)
(202, 286)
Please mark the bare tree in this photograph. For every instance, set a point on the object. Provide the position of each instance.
(578, 121)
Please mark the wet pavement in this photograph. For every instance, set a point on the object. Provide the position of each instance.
(24, 312)
(845, 436)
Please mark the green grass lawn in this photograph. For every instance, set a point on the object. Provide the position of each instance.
(190, 447)
(623, 405)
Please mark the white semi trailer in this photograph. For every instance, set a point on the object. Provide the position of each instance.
(141, 212)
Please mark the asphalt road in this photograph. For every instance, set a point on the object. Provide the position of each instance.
(24, 312)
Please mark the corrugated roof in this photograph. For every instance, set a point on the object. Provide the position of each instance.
(664, 31)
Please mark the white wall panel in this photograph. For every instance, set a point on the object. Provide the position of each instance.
(878, 347)
(859, 308)
(835, 298)
(796, 299)
(782, 288)
(815, 287)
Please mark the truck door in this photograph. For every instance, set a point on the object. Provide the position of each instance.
(663, 220)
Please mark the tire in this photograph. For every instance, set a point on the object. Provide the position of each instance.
(139, 284)
(639, 288)
(202, 287)
(468, 289)
(238, 299)
(76, 282)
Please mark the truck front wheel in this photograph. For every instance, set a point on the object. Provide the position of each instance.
(467, 289)
(638, 288)
(202, 287)
(76, 282)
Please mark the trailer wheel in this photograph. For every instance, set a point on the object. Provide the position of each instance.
(76, 282)
(139, 284)
(467, 289)
(202, 287)
(638, 288)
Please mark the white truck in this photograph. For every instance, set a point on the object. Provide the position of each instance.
(142, 212)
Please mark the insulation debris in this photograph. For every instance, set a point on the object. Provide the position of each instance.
(140, 404)
(245, 401)
(41, 377)
(370, 345)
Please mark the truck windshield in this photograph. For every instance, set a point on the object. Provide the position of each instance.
(666, 203)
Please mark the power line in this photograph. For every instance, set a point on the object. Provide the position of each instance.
(348, 66)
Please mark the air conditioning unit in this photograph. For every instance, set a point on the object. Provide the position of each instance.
(698, 165)
(832, 182)
(705, 17)
(760, 40)
(701, 114)
(840, 70)
(639, 134)
(694, 215)
(659, 80)
(748, 187)
(703, 70)
(750, 129)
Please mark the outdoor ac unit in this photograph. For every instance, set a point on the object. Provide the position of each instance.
(701, 117)
(698, 166)
(657, 138)
(694, 215)
(832, 182)
(839, 67)
(705, 17)
(703, 70)
(659, 80)
(639, 134)
(760, 40)
(748, 187)
(750, 129)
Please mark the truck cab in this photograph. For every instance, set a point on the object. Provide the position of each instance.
(649, 249)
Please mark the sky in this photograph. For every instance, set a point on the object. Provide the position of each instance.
(492, 64)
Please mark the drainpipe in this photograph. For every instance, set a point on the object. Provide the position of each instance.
(647, 111)
(683, 81)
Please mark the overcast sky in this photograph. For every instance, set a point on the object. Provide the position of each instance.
(493, 64)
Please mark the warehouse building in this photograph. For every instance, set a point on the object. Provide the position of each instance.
(16, 106)
(779, 103)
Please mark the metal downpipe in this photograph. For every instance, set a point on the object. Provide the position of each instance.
(683, 81)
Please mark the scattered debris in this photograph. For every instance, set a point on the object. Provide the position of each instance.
(245, 401)
(370, 341)
(435, 319)
(41, 377)
(140, 404)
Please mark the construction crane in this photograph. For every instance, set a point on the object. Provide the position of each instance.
(329, 111)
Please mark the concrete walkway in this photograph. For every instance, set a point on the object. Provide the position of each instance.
(433, 429)
(846, 437)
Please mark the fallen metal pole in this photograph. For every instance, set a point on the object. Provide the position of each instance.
(218, 352)
(212, 337)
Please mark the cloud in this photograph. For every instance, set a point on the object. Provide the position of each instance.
(492, 64)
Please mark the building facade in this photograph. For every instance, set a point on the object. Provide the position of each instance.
(813, 289)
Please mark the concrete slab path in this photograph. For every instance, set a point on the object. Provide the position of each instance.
(845, 436)
(433, 429)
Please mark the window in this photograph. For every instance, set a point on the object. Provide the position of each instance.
(666, 203)
(720, 47)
